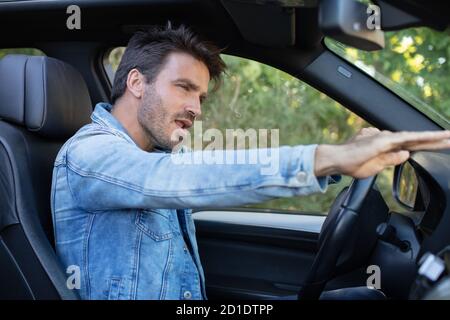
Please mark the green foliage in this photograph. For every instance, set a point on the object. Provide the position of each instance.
(27, 51)
(414, 65)
(115, 56)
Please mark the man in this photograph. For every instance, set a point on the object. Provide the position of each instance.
(122, 207)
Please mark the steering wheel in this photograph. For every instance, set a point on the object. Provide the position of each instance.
(336, 231)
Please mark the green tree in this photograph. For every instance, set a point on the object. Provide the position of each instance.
(414, 64)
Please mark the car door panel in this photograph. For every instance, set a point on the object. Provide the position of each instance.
(258, 255)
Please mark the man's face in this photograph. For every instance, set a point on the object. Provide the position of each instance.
(172, 102)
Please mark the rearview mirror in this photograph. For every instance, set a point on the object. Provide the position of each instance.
(352, 23)
(405, 185)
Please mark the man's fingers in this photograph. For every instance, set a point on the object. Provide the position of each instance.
(405, 140)
(445, 144)
(394, 158)
(379, 163)
(370, 154)
(429, 136)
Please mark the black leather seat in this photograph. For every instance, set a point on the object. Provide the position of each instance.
(43, 101)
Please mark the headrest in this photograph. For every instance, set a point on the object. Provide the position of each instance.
(44, 95)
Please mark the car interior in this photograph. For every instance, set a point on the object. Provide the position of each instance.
(247, 254)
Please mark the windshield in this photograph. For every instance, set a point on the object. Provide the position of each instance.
(414, 65)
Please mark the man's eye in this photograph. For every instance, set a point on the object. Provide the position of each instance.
(184, 87)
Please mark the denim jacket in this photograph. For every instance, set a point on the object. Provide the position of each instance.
(123, 217)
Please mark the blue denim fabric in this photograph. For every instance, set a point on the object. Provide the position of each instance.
(123, 216)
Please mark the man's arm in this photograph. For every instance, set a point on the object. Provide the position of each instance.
(107, 172)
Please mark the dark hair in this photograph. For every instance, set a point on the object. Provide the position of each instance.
(147, 51)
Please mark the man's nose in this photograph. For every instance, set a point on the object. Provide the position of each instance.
(194, 109)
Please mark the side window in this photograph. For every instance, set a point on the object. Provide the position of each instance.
(111, 62)
(257, 96)
(27, 51)
(254, 95)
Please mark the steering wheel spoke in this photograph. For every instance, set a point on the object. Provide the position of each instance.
(335, 232)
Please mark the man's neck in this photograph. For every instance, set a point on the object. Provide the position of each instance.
(127, 116)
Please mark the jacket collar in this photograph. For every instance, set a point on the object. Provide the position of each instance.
(102, 116)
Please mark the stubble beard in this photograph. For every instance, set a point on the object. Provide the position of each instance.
(153, 119)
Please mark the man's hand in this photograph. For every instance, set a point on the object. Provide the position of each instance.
(371, 150)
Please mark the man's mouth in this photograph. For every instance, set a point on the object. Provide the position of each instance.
(183, 124)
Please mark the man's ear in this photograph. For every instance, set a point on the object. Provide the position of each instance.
(135, 83)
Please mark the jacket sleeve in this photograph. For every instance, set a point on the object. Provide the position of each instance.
(107, 172)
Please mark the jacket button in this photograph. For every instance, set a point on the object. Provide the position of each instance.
(302, 177)
(187, 295)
